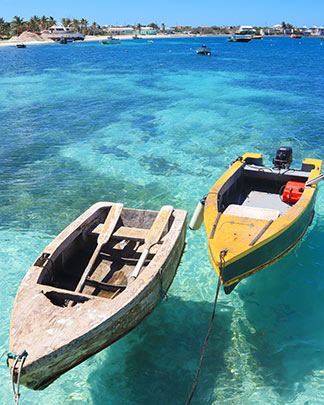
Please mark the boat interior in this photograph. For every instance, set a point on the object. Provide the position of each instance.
(115, 262)
(256, 191)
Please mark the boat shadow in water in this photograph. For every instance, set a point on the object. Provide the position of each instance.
(156, 363)
(284, 329)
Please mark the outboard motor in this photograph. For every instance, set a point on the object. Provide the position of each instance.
(283, 158)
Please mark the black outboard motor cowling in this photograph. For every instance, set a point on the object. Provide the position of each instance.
(283, 158)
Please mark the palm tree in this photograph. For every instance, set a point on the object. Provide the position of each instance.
(75, 24)
(50, 22)
(93, 28)
(66, 22)
(84, 25)
(163, 27)
(43, 22)
(154, 26)
(18, 24)
(139, 28)
(33, 23)
(4, 27)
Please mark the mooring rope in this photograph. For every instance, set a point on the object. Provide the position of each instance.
(18, 358)
(221, 268)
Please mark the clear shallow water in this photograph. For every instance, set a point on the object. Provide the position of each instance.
(151, 126)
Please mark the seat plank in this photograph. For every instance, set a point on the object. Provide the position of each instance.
(105, 286)
(125, 232)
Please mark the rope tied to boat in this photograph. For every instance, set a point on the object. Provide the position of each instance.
(221, 269)
(19, 358)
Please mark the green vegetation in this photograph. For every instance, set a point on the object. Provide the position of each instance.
(37, 24)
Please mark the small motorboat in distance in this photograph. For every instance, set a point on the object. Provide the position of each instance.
(239, 38)
(255, 214)
(296, 36)
(136, 37)
(203, 50)
(110, 41)
(21, 46)
(86, 291)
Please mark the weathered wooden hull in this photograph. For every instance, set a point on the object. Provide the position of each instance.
(68, 336)
(253, 244)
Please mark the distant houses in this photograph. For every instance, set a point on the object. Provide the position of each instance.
(118, 30)
(146, 31)
(128, 30)
(283, 29)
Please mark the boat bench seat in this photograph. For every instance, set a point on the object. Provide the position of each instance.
(245, 211)
(124, 232)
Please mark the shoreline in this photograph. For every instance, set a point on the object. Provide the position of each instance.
(94, 38)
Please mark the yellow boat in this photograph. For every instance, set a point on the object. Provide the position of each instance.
(255, 214)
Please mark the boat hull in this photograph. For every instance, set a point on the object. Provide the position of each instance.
(202, 51)
(268, 253)
(253, 243)
(94, 323)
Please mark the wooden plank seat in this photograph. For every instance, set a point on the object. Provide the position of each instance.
(124, 232)
(104, 286)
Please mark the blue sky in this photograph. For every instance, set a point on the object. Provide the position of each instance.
(182, 12)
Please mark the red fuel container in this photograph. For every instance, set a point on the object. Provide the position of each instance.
(293, 191)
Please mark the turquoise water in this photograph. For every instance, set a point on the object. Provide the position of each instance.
(149, 124)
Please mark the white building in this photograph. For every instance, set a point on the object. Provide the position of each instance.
(246, 29)
(119, 30)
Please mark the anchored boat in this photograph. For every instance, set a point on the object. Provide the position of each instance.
(203, 50)
(239, 38)
(255, 214)
(96, 281)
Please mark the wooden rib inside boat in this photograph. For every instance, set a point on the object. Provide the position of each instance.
(58, 335)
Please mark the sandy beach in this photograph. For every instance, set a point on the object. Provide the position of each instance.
(29, 39)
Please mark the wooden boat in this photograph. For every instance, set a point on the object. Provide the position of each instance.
(64, 314)
(256, 36)
(203, 50)
(255, 214)
(296, 36)
(21, 46)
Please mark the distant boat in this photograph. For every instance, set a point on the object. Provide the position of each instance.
(94, 283)
(239, 38)
(110, 41)
(295, 36)
(56, 32)
(256, 37)
(203, 50)
(150, 41)
(21, 46)
(136, 37)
